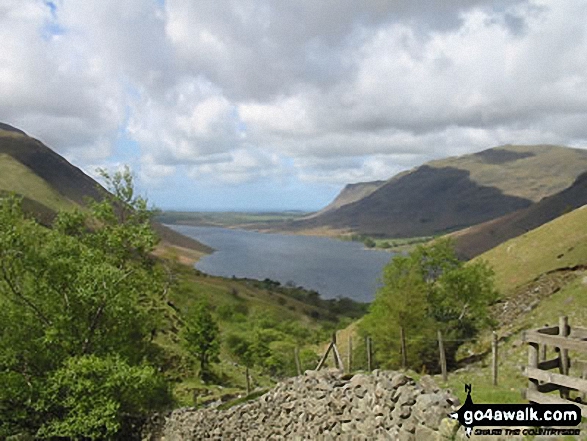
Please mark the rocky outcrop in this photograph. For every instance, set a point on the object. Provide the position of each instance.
(328, 405)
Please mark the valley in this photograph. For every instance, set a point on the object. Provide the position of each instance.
(518, 210)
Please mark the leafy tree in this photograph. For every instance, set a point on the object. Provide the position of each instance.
(98, 397)
(201, 336)
(86, 289)
(427, 290)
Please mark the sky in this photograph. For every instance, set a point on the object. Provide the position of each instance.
(274, 105)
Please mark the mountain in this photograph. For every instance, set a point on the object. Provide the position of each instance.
(48, 182)
(454, 193)
(349, 194)
(477, 239)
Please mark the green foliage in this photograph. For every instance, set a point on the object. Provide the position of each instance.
(85, 290)
(98, 398)
(369, 243)
(428, 290)
(201, 336)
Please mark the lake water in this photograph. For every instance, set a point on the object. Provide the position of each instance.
(331, 267)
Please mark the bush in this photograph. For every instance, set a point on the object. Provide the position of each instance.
(101, 398)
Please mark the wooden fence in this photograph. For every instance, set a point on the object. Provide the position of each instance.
(560, 340)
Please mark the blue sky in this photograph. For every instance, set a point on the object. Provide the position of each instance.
(264, 105)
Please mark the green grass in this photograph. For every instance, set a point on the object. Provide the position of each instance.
(551, 170)
(17, 178)
(560, 243)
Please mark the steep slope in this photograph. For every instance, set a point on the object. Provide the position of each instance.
(477, 239)
(454, 193)
(48, 182)
(558, 245)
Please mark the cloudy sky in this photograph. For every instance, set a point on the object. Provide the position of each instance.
(269, 104)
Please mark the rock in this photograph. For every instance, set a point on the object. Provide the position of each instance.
(424, 433)
(326, 405)
(399, 380)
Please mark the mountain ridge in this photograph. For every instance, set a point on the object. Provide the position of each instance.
(33, 170)
(463, 191)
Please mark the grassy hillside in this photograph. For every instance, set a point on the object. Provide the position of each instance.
(526, 171)
(17, 178)
(49, 183)
(559, 244)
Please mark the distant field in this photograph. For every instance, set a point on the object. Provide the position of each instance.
(227, 219)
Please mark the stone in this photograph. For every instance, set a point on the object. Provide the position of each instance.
(448, 429)
(399, 380)
(424, 433)
(326, 405)
(404, 435)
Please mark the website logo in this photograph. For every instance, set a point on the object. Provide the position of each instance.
(520, 415)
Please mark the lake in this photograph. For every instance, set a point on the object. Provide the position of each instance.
(332, 267)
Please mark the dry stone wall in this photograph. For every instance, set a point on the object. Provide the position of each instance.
(327, 405)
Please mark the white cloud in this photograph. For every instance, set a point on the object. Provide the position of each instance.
(343, 90)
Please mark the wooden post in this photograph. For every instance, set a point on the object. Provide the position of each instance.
(403, 343)
(543, 348)
(248, 380)
(323, 359)
(533, 363)
(563, 331)
(442, 357)
(334, 351)
(494, 357)
(350, 354)
(298, 364)
(337, 357)
(368, 344)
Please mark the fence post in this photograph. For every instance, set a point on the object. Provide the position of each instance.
(350, 354)
(248, 380)
(442, 357)
(368, 341)
(563, 331)
(298, 364)
(543, 348)
(403, 343)
(494, 357)
(333, 346)
(533, 363)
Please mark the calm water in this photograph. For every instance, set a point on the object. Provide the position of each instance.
(331, 267)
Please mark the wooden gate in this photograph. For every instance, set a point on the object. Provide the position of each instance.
(560, 340)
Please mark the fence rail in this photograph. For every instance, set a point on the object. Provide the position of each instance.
(563, 339)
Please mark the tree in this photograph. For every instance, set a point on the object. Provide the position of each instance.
(427, 290)
(369, 243)
(87, 289)
(201, 336)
